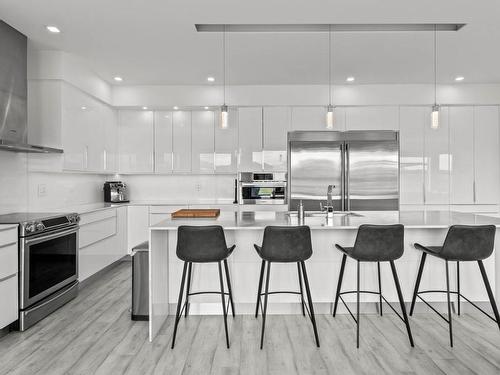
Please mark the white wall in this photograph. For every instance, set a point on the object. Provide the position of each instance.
(13, 182)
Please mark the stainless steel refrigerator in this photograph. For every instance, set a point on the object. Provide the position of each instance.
(362, 166)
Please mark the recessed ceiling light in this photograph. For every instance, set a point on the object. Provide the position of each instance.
(459, 78)
(118, 79)
(176, 108)
(350, 79)
(144, 107)
(84, 108)
(53, 29)
(206, 107)
(210, 79)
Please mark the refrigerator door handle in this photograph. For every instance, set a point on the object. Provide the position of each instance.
(342, 177)
(346, 178)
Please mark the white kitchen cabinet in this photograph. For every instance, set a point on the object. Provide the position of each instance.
(163, 142)
(461, 125)
(226, 143)
(137, 225)
(372, 118)
(202, 141)
(9, 266)
(135, 141)
(95, 139)
(436, 161)
(486, 154)
(250, 139)
(181, 148)
(110, 123)
(411, 149)
(308, 118)
(277, 124)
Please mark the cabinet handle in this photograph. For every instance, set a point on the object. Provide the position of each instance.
(105, 159)
(474, 190)
(86, 157)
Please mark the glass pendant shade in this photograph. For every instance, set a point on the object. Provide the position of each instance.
(435, 117)
(223, 117)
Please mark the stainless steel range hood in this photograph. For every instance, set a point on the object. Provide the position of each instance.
(13, 93)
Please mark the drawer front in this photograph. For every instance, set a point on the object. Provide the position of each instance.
(8, 260)
(8, 236)
(97, 231)
(92, 217)
(9, 305)
(165, 209)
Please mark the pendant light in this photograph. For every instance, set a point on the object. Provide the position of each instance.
(435, 107)
(329, 109)
(223, 108)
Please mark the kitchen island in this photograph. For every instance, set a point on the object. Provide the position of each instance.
(246, 228)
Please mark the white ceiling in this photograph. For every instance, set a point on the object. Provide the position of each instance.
(155, 42)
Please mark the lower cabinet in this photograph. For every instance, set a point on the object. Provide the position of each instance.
(102, 240)
(8, 275)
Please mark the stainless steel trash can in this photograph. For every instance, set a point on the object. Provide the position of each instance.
(140, 281)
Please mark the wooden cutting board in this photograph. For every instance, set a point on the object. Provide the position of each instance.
(196, 213)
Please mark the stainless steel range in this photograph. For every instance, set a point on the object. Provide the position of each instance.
(48, 262)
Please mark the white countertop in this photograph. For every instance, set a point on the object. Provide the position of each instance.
(259, 220)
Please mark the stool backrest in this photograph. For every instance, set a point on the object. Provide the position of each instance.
(469, 242)
(286, 244)
(379, 242)
(201, 244)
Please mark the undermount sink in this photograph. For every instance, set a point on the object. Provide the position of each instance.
(323, 214)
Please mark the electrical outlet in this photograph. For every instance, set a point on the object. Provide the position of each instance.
(42, 190)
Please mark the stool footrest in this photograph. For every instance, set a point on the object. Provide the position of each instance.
(368, 292)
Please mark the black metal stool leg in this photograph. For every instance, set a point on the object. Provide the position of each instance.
(223, 303)
(458, 287)
(179, 302)
(339, 284)
(188, 288)
(301, 290)
(357, 306)
(417, 283)
(488, 290)
(230, 291)
(259, 290)
(265, 306)
(401, 301)
(379, 288)
(449, 302)
(310, 302)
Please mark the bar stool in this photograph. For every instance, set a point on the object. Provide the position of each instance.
(285, 245)
(463, 243)
(374, 243)
(202, 244)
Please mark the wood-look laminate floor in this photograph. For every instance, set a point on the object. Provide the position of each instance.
(93, 334)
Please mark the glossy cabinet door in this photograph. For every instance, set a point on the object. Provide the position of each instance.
(202, 141)
(135, 141)
(411, 150)
(163, 142)
(308, 118)
(250, 139)
(95, 137)
(277, 124)
(226, 143)
(486, 154)
(372, 118)
(437, 163)
(181, 148)
(461, 130)
(110, 152)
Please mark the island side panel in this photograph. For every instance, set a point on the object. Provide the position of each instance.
(158, 280)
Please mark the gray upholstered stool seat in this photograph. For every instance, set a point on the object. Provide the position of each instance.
(374, 243)
(463, 243)
(202, 244)
(285, 245)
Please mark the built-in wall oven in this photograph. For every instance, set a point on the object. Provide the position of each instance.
(48, 263)
(262, 188)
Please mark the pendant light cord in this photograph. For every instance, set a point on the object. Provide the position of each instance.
(224, 63)
(435, 64)
(330, 88)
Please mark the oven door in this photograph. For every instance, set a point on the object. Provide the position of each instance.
(262, 193)
(48, 262)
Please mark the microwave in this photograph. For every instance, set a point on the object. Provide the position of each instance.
(262, 188)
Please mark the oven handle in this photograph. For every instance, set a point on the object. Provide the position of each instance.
(264, 184)
(49, 236)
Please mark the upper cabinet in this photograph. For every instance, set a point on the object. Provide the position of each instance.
(135, 141)
(277, 124)
(411, 144)
(226, 143)
(250, 138)
(110, 123)
(181, 147)
(202, 144)
(163, 141)
(372, 118)
(486, 154)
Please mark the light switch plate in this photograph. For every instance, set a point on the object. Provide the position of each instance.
(42, 190)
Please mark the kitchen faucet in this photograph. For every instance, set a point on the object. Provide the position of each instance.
(329, 201)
